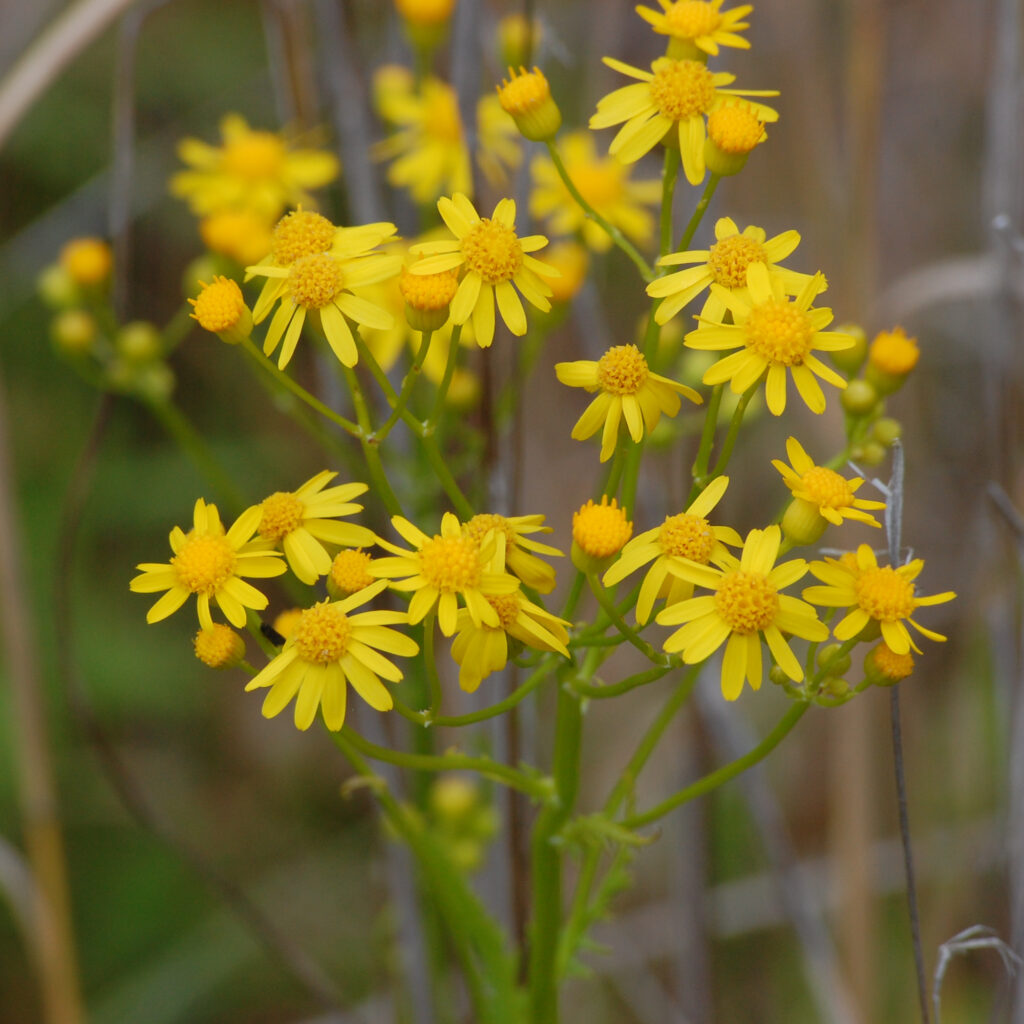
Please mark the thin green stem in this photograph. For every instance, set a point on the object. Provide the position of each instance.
(652, 675)
(430, 662)
(608, 607)
(698, 213)
(613, 232)
(734, 429)
(446, 380)
(369, 360)
(722, 775)
(408, 383)
(669, 177)
(707, 439)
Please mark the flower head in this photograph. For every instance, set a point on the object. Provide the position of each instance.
(526, 97)
(674, 96)
(725, 264)
(891, 357)
(520, 550)
(350, 571)
(301, 521)
(255, 170)
(603, 182)
(745, 605)
(425, 12)
(734, 129)
(442, 568)
(308, 280)
(873, 592)
(495, 261)
(219, 646)
(87, 261)
(220, 308)
(885, 666)
(210, 563)
(330, 648)
(830, 495)
(598, 532)
(774, 334)
(628, 391)
(682, 538)
(698, 27)
(242, 235)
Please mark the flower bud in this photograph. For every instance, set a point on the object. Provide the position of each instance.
(859, 398)
(803, 522)
(734, 129)
(56, 288)
(139, 342)
(886, 668)
(87, 261)
(527, 98)
(870, 453)
(891, 357)
(518, 40)
(221, 309)
(219, 647)
(850, 360)
(427, 298)
(886, 430)
(73, 331)
(599, 532)
(831, 659)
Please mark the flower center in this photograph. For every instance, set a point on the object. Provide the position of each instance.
(893, 352)
(479, 525)
(204, 563)
(301, 233)
(322, 634)
(893, 666)
(729, 258)
(255, 155)
(599, 182)
(219, 305)
(601, 530)
(350, 570)
(688, 537)
(826, 488)
(441, 119)
(219, 647)
(428, 292)
(746, 601)
(450, 564)
(682, 88)
(692, 18)
(315, 280)
(884, 594)
(735, 128)
(622, 370)
(493, 251)
(523, 92)
(780, 332)
(282, 513)
(507, 607)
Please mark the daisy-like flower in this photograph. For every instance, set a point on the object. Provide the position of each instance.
(873, 592)
(773, 334)
(520, 550)
(496, 261)
(323, 283)
(440, 569)
(822, 490)
(681, 539)
(220, 308)
(725, 264)
(256, 170)
(210, 563)
(745, 605)
(603, 182)
(598, 532)
(301, 520)
(329, 649)
(675, 95)
(698, 27)
(628, 391)
(480, 649)
(242, 235)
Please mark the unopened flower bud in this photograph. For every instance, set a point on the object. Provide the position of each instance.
(219, 647)
(73, 331)
(598, 533)
(850, 360)
(859, 398)
(803, 522)
(891, 357)
(886, 668)
(734, 129)
(427, 298)
(139, 342)
(87, 261)
(831, 658)
(221, 309)
(886, 430)
(527, 98)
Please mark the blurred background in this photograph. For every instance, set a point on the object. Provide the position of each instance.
(217, 874)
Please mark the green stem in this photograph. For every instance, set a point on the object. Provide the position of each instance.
(652, 675)
(408, 383)
(698, 213)
(608, 607)
(177, 329)
(446, 380)
(707, 439)
(669, 177)
(722, 775)
(430, 661)
(613, 232)
(734, 428)
(369, 360)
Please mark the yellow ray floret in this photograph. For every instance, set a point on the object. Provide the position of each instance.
(700, 24)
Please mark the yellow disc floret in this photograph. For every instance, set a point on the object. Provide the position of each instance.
(601, 530)
(622, 370)
(315, 280)
(219, 306)
(507, 607)
(893, 352)
(885, 662)
(483, 522)
(493, 251)
(87, 261)
(282, 513)
(254, 155)
(728, 259)
(826, 487)
(746, 601)
(734, 128)
(692, 18)
(428, 292)
(682, 88)
(204, 563)
(780, 332)
(350, 570)
(301, 233)
(885, 594)
(219, 647)
(687, 536)
(322, 635)
(451, 564)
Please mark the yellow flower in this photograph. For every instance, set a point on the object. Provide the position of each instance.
(480, 649)
(210, 563)
(893, 352)
(725, 264)
(323, 282)
(87, 261)
(830, 495)
(329, 649)
(440, 569)
(531, 570)
(734, 129)
(872, 592)
(682, 538)
(598, 532)
(773, 334)
(256, 170)
(350, 571)
(220, 308)
(526, 98)
(628, 391)
(603, 182)
(885, 667)
(242, 235)
(698, 27)
(425, 12)
(675, 95)
(495, 258)
(219, 646)
(300, 520)
(745, 605)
